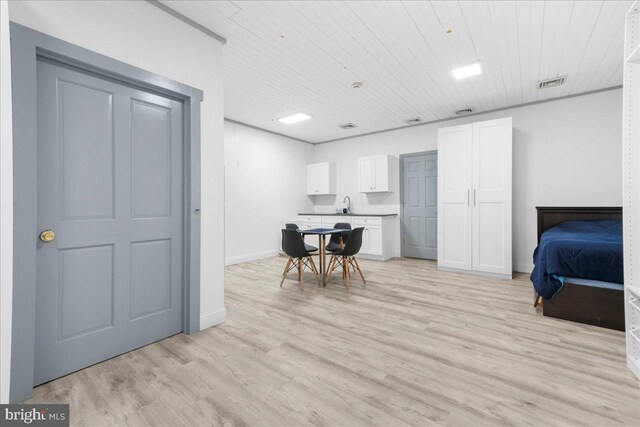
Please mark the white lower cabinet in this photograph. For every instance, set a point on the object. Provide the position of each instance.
(372, 238)
(377, 237)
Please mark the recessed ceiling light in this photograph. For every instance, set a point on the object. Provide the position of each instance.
(468, 71)
(294, 118)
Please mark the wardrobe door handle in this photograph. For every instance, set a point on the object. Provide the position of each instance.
(474, 197)
(468, 198)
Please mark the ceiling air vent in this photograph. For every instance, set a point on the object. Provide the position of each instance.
(348, 126)
(413, 121)
(464, 111)
(556, 81)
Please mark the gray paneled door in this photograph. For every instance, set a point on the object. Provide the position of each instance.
(420, 206)
(110, 187)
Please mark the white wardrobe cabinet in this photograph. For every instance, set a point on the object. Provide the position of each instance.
(321, 179)
(474, 197)
(374, 174)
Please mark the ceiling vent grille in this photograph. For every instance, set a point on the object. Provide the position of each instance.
(464, 111)
(556, 81)
(348, 126)
(413, 121)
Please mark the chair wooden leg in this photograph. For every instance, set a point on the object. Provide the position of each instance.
(332, 263)
(315, 270)
(286, 270)
(345, 270)
(359, 271)
(301, 273)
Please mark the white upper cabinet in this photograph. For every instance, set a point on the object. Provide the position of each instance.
(321, 179)
(373, 174)
(365, 174)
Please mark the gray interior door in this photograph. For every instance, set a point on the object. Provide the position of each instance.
(420, 206)
(110, 187)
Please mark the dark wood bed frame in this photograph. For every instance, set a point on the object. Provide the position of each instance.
(584, 304)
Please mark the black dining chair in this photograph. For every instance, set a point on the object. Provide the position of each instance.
(299, 256)
(291, 226)
(346, 257)
(334, 244)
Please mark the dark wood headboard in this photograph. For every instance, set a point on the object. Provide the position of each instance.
(551, 216)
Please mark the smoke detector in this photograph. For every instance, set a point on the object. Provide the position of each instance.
(556, 81)
(413, 121)
(357, 85)
(464, 111)
(348, 126)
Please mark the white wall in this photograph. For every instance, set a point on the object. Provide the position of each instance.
(265, 184)
(6, 204)
(565, 152)
(140, 34)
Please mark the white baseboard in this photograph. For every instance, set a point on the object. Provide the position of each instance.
(523, 268)
(212, 319)
(520, 268)
(251, 257)
(477, 273)
(373, 257)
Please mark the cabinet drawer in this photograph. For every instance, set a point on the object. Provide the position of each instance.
(366, 220)
(309, 218)
(308, 225)
(330, 221)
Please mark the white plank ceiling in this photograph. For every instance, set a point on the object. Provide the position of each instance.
(283, 58)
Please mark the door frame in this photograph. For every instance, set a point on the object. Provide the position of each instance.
(27, 46)
(402, 157)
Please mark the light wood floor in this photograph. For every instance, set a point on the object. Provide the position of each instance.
(416, 346)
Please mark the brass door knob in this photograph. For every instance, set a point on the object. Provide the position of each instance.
(48, 236)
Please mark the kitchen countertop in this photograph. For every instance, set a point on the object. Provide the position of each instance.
(347, 214)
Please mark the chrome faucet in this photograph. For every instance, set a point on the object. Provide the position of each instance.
(347, 200)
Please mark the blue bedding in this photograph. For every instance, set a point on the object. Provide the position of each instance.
(581, 249)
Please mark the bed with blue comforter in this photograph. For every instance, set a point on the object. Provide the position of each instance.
(589, 250)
